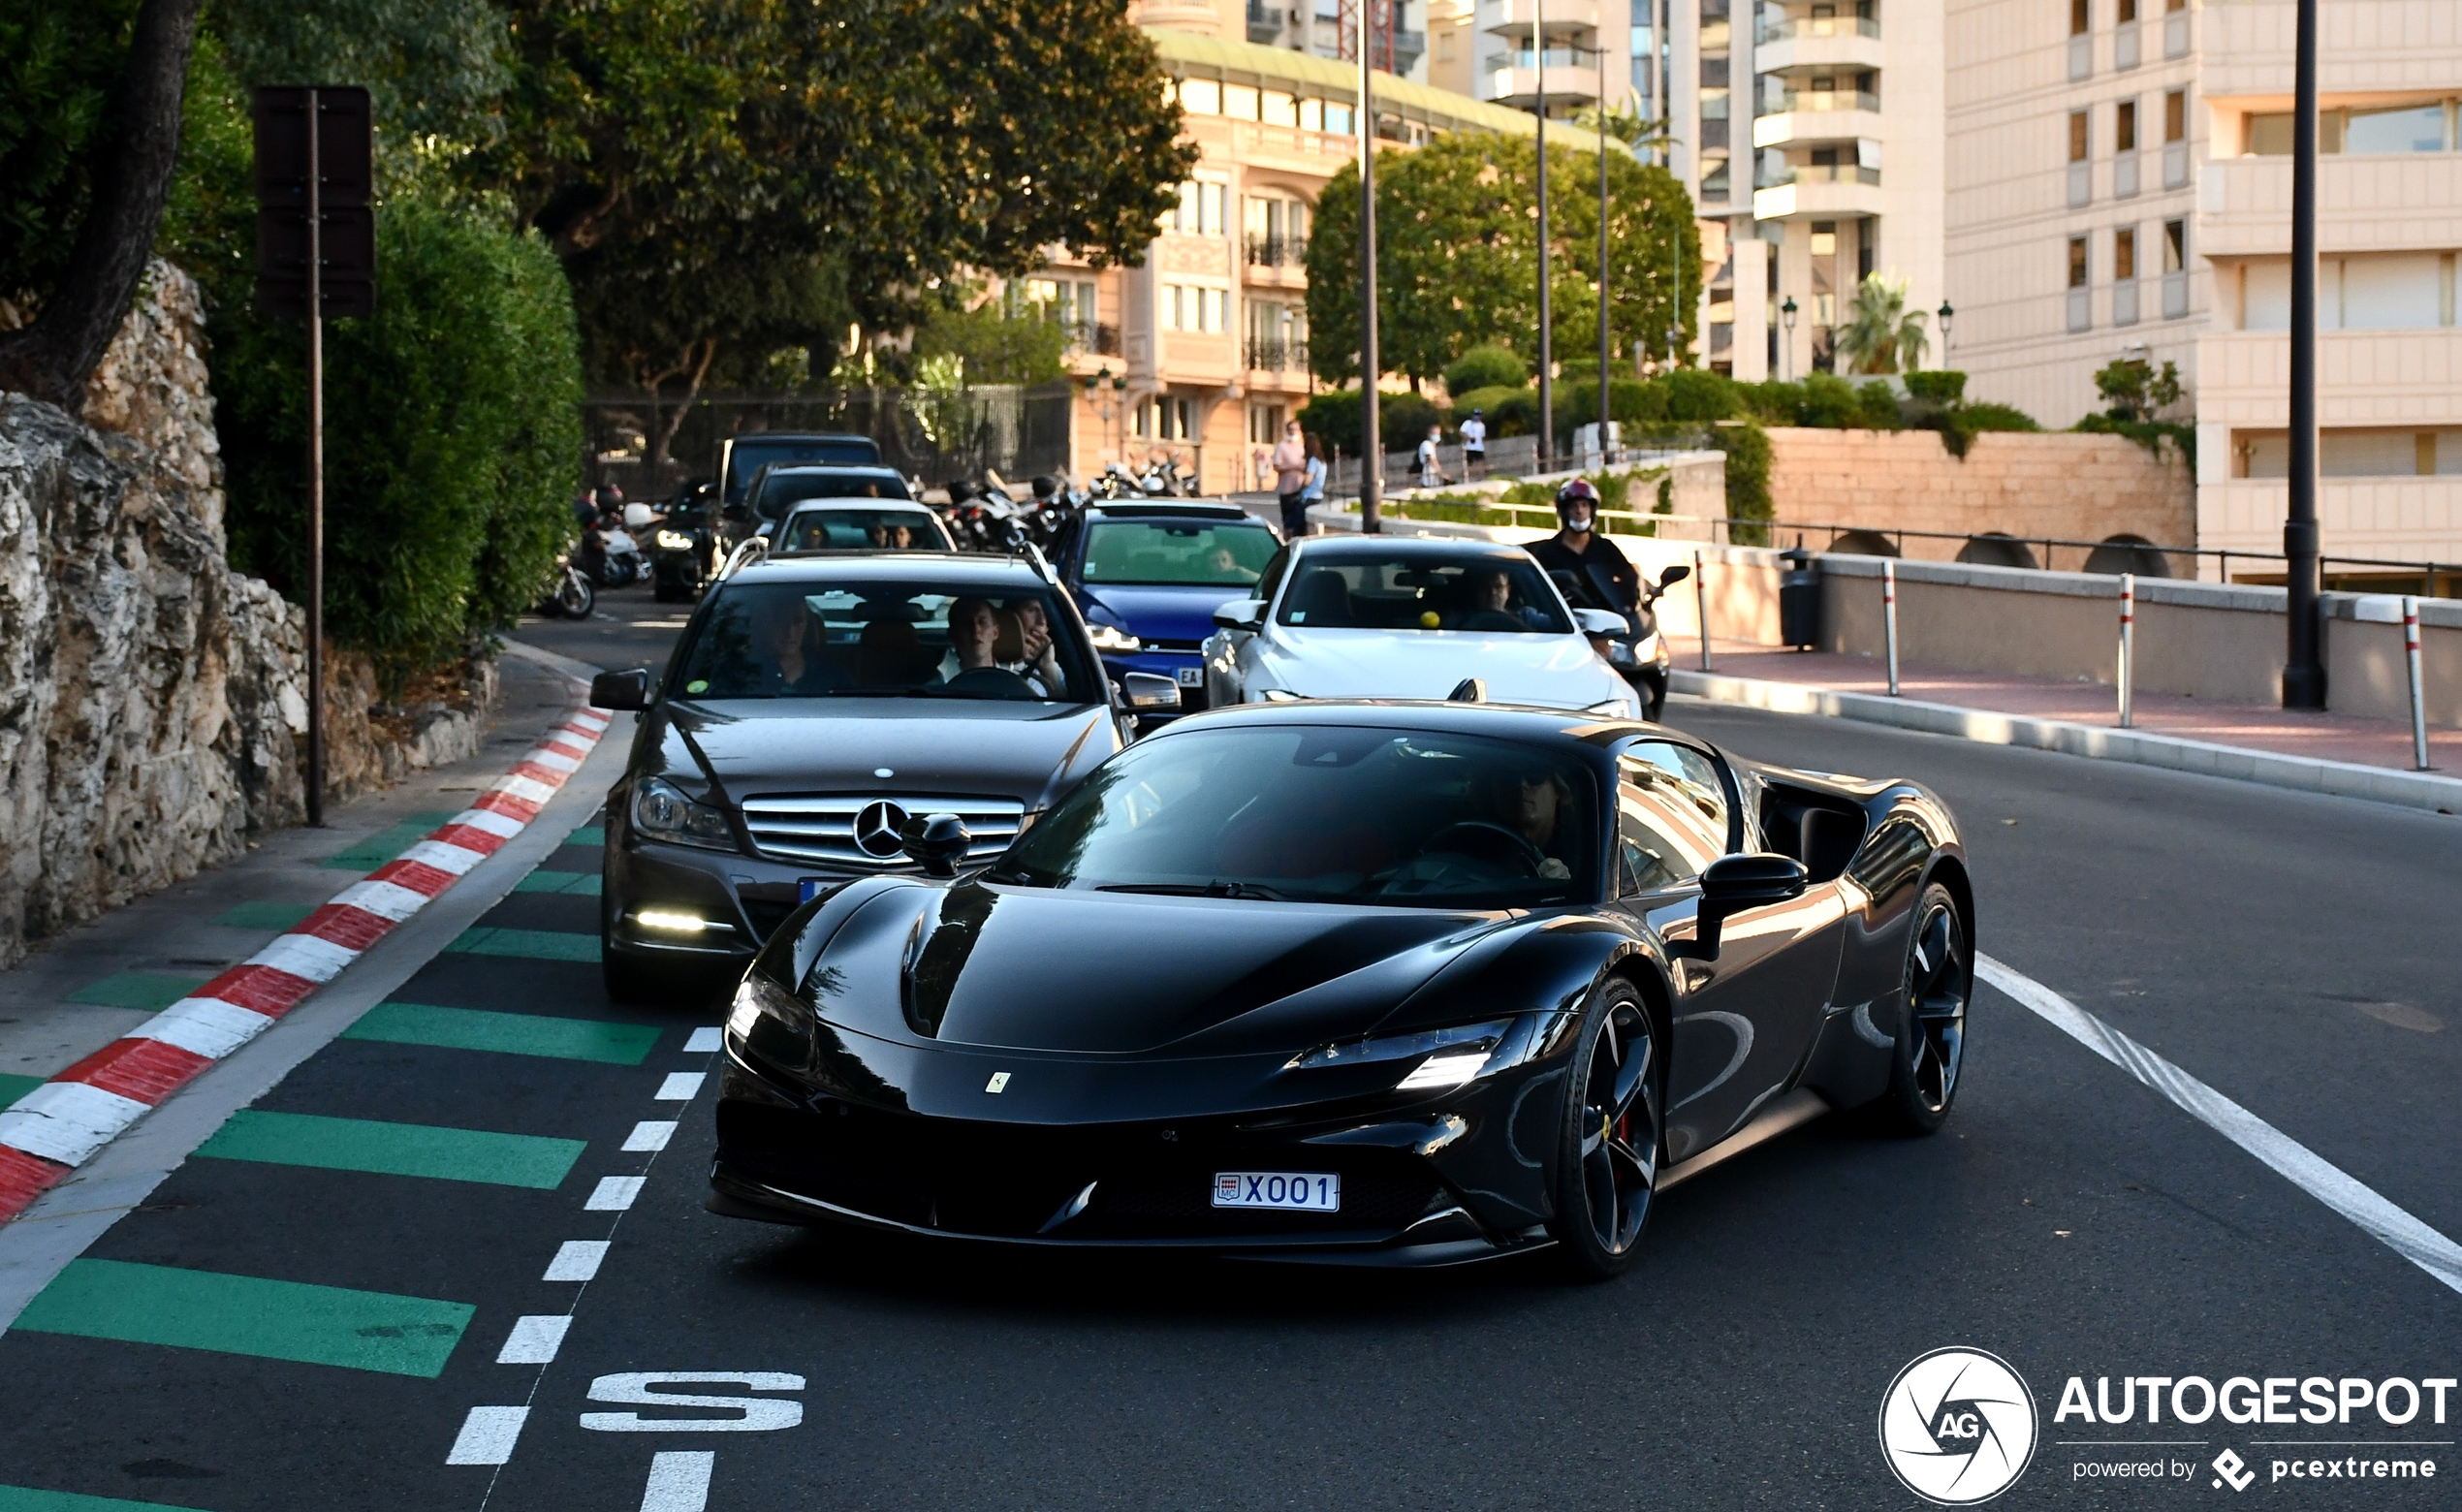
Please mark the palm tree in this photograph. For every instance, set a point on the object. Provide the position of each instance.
(1880, 334)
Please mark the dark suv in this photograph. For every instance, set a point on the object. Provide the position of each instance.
(1149, 576)
(815, 712)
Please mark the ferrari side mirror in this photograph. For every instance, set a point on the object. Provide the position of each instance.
(939, 842)
(1732, 885)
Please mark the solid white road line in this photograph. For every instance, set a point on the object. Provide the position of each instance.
(650, 1134)
(534, 1339)
(487, 1435)
(704, 1039)
(678, 1481)
(576, 1260)
(613, 1194)
(2391, 1227)
(680, 1086)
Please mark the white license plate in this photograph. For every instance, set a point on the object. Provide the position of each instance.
(1288, 1190)
(1192, 677)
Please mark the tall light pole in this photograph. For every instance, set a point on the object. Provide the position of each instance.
(1947, 314)
(2303, 673)
(1787, 344)
(1371, 441)
(1599, 43)
(1546, 336)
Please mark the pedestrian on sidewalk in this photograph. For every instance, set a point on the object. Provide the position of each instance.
(1474, 446)
(1312, 485)
(1290, 475)
(1431, 469)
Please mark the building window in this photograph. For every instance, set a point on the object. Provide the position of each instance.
(1165, 418)
(1187, 307)
(2077, 137)
(2124, 254)
(2175, 246)
(2080, 18)
(2175, 116)
(1867, 248)
(2077, 261)
(2125, 127)
(1825, 232)
(1199, 212)
(2127, 12)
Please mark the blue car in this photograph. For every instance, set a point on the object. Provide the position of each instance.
(1149, 576)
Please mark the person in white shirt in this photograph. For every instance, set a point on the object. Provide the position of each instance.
(1431, 472)
(1474, 445)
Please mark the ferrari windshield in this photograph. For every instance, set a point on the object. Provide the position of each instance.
(856, 639)
(1196, 552)
(1497, 594)
(1324, 813)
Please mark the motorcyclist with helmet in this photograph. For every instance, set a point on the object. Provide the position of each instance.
(1595, 574)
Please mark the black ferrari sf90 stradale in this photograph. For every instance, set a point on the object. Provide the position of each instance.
(1392, 982)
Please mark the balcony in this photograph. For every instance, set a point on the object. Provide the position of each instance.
(1819, 116)
(1572, 79)
(1265, 22)
(1801, 196)
(2406, 202)
(1844, 43)
(1274, 355)
(1272, 251)
(1514, 17)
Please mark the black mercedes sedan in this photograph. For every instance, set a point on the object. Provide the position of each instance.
(1389, 982)
(811, 706)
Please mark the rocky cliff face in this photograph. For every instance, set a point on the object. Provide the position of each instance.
(150, 698)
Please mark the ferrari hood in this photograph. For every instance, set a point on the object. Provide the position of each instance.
(1035, 752)
(1559, 671)
(1111, 973)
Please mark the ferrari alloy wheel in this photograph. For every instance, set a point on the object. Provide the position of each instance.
(1940, 980)
(1607, 1165)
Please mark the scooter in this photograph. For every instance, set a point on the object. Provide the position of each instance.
(1641, 656)
(618, 553)
(574, 596)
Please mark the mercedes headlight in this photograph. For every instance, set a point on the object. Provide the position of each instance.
(673, 541)
(1437, 1059)
(1112, 638)
(662, 812)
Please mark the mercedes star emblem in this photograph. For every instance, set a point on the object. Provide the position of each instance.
(877, 830)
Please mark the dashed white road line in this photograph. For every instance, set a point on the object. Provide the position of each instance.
(704, 1039)
(678, 1481)
(2331, 1184)
(576, 1260)
(680, 1086)
(488, 1436)
(535, 1338)
(649, 1135)
(613, 1194)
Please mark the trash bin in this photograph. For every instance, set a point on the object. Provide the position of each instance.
(1799, 598)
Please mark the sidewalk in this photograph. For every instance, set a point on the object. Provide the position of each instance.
(86, 989)
(2322, 752)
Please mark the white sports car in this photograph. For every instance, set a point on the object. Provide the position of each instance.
(1412, 617)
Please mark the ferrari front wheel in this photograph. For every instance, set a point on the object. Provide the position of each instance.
(1930, 1047)
(1607, 1153)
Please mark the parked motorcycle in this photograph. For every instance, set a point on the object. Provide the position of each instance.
(573, 596)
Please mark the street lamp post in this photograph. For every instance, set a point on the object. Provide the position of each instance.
(1546, 342)
(2303, 673)
(1786, 319)
(1371, 441)
(1599, 45)
(1947, 314)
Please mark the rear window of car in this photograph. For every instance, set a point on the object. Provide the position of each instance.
(862, 530)
(752, 455)
(777, 494)
(851, 638)
(1231, 554)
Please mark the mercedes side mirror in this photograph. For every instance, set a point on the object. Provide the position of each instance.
(938, 841)
(1242, 614)
(620, 689)
(1734, 884)
(1146, 693)
(1602, 622)
(1673, 575)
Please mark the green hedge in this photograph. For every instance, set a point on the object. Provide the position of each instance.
(452, 439)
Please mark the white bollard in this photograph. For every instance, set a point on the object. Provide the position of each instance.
(1701, 606)
(2128, 648)
(2418, 693)
(1889, 618)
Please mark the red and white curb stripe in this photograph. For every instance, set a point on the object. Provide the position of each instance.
(56, 1127)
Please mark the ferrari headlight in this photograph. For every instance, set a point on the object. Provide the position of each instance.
(662, 812)
(1112, 638)
(758, 999)
(674, 541)
(1445, 1057)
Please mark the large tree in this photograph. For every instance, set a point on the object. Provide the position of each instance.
(103, 161)
(1457, 255)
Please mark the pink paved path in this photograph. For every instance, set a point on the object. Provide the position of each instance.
(2330, 737)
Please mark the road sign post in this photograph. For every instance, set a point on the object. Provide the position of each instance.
(316, 256)
(2418, 693)
(2128, 649)
(1889, 619)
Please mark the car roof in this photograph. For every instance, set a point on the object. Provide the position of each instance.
(968, 567)
(816, 506)
(1506, 721)
(832, 470)
(1224, 512)
(1387, 546)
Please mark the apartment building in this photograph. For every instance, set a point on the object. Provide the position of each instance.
(2120, 185)
(1201, 352)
